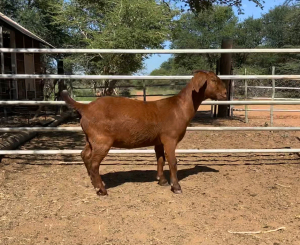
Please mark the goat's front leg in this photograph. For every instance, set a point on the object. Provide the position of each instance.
(170, 152)
(160, 157)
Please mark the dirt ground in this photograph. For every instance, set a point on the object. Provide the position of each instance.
(48, 199)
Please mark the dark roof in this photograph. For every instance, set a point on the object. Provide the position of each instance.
(20, 28)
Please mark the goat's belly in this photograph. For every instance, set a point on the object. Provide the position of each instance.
(133, 146)
(136, 142)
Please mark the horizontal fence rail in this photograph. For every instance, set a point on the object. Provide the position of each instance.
(136, 86)
(266, 87)
(266, 110)
(132, 95)
(179, 151)
(244, 102)
(266, 98)
(121, 77)
(146, 51)
(79, 129)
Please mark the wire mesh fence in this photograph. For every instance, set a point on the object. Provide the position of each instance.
(265, 89)
(275, 89)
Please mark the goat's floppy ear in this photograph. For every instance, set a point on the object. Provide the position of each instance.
(199, 80)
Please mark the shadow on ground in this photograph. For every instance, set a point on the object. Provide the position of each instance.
(114, 179)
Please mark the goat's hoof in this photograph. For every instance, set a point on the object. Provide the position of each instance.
(163, 182)
(102, 192)
(176, 191)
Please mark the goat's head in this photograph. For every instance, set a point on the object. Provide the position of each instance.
(211, 85)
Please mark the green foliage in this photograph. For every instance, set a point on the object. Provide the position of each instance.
(119, 24)
(276, 25)
(146, 24)
(248, 34)
(205, 30)
(123, 24)
(10, 7)
(197, 6)
(38, 16)
(279, 28)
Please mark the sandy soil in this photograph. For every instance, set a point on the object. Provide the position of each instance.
(48, 199)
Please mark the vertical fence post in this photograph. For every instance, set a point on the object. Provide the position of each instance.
(273, 96)
(225, 69)
(231, 93)
(61, 82)
(231, 97)
(71, 89)
(214, 107)
(69, 82)
(2, 64)
(246, 97)
(1, 54)
(144, 91)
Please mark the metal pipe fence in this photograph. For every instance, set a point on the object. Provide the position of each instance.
(117, 77)
(79, 129)
(214, 102)
(145, 51)
(267, 110)
(178, 151)
(267, 87)
(120, 77)
(258, 89)
(136, 86)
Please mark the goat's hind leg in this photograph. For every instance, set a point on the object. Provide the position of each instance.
(160, 157)
(86, 156)
(99, 151)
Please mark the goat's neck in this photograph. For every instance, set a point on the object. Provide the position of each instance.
(190, 100)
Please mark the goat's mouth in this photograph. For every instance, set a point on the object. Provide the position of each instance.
(221, 97)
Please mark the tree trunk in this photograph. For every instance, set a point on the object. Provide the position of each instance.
(225, 69)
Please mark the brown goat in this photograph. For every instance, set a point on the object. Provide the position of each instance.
(127, 123)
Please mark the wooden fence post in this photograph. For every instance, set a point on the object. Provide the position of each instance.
(61, 82)
(225, 69)
(1, 54)
(144, 91)
(2, 66)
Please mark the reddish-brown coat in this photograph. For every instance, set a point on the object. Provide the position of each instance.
(126, 123)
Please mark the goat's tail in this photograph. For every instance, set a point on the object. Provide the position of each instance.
(72, 103)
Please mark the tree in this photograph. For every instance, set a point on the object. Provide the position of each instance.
(197, 6)
(276, 25)
(96, 24)
(122, 24)
(10, 7)
(280, 30)
(38, 16)
(248, 34)
(205, 30)
(293, 27)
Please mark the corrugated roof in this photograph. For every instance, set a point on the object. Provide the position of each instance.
(22, 29)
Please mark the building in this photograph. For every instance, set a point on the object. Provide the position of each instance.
(13, 35)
